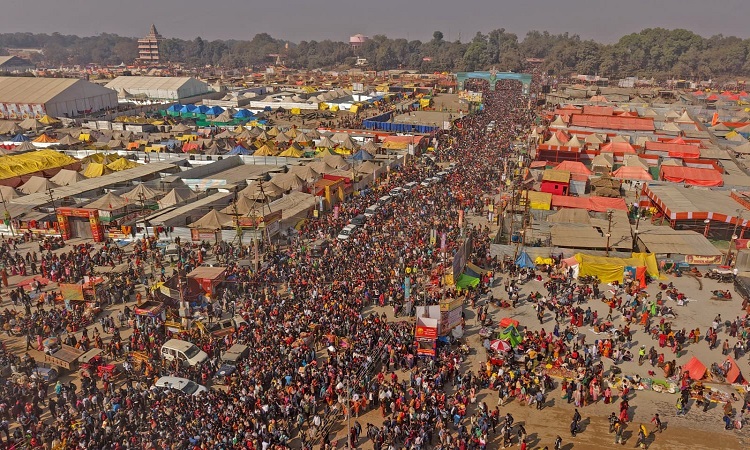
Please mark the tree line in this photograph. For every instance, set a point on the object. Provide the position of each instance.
(653, 52)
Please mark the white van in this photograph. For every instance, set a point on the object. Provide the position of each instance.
(187, 352)
(384, 200)
(372, 210)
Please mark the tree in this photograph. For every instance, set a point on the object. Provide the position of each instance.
(437, 37)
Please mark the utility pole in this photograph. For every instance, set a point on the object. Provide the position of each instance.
(737, 222)
(7, 215)
(54, 209)
(609, 228)
(142, 200)
(348, 415)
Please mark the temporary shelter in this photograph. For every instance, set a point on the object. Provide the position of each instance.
(108, 202)
(695, 369)
(609, 269)
(8, 192)
(36, 184)
(213, 220)
(511, 335)
(94, 170)
(691, 175)
(141, 191)
(25, 146)
(524, 260)
(734, 375)
(121, 164)
(305, 172)
(175, 197)
(632, 173)
(66, 177)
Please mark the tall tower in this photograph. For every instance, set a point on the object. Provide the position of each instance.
(148, 47)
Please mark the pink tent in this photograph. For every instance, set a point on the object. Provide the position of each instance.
(632, 173)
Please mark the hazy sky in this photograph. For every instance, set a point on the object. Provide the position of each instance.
(295, 20)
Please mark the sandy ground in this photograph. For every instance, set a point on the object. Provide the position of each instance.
(697, 430)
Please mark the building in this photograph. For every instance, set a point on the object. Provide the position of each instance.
(14, 64)
(148, 47)
(556, 182)
(158, 88)
(24, 97)
(357, 40)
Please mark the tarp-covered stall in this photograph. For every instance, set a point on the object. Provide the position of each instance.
(609, 269)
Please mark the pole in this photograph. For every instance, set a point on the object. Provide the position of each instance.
(7, 215)
(142, 199)
(348, 415)
(737, 222)
(609, 229)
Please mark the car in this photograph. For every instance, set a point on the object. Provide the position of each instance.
(358, 220)
(425, 182)
(411, 186)
(188, 387)
(384, 200)
(396, 192)
(372, 210)
(441, 175)
(221, 328)
(346, 232)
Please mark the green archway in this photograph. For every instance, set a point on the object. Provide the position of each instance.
(492, 78)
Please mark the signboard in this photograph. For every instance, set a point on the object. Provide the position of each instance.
(704, 260)
(424, 332)
(742, 244)
(470, 96)
(202, 235)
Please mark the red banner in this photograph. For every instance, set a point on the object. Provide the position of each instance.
(742, 244)
(425, 332)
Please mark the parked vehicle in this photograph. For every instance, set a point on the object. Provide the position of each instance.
(188, 353)
(183, 385)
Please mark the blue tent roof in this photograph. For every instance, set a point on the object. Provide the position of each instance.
(362, 155)
(239, 150)
(524, 260)
(20, 138)
(267, 108)
(243, 114)
(201, 109)
(174, 108)
(215, 110)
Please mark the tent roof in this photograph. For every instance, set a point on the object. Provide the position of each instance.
(695, 368)
(176, 196)
(213, 220)
(574, 167)
(108, 202)
(141, 191)
(602, 160)
(66, 177)
(569, 215)
(36, 184)
(632, 173)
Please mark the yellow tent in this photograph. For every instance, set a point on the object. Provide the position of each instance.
(265, 150)
(84, 137)
(324, 153)
(609, 269)
(322, 106)
(296, 111)
(291, 152)
(354, 108)
(95, 170)
(538, 200)
(334, 108)
(48, 120)
(156, 148)
(121, 164)
(36, 161)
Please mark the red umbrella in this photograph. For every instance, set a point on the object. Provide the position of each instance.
(499, 345)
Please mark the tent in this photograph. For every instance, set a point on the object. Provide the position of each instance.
(7, 192)
(292, 152)
(48, 120)
(45, 139)
(574, 167)
(695, 369)
(108, 202)
(466, 281)
(632, 173)
(25, 146)
(36, 184)
(20, 138)
(175, 197)
(511, 334)
(609, 269)
(691, 175)
(213, 220)
(239, 150)
(121, 164)
(214, 111)
(94, 170)
(243, 114)
(265, 150)
(31, 124)
(66, 177)
(474, 270)
(505, 322)
(141, 191)
(362, 155)
(524, 260)
(734, 375)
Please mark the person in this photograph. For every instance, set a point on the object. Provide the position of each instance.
(618, 433)
(641, 441)
(657, 422)
(558, 443)
(641, 355)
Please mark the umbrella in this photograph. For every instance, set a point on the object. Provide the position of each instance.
(499, 345)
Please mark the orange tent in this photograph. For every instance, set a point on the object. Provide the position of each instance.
(507, 321)
(695, 369)
(733, 374)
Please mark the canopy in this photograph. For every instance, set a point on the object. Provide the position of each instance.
(66, 177)
(511, 335)
(574, 167)
(609, 269)
(691, 175)
(214, 111)
(362, 155)
(36, 184)
(466, 281)
(20, 138)
(45, 139)
(292, 152)
(108, 202)
(48, 120)
(695, 368)
(305, 172)
(31, 124)
(243, 114)
(240, 150)
(8, 192)
(213, 220)
(632, 173)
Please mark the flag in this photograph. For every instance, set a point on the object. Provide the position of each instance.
(715, 119)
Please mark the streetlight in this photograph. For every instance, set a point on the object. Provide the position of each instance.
(729, 251)
(54, 211)
(705, 229)
(142, 199)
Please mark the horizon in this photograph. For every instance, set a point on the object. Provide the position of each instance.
(589, 19)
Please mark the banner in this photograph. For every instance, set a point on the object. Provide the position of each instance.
(704, 260)
(742, 244)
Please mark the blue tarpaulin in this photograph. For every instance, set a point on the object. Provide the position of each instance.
(362, 155)
(201, 109)
(214, 111)
(174, 108)
(20, 138)
(524, 260)
(239, 150)
(243, 114)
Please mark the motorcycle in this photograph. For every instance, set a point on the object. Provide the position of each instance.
(718, 372)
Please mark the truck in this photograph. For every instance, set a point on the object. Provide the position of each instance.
(65, 357)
